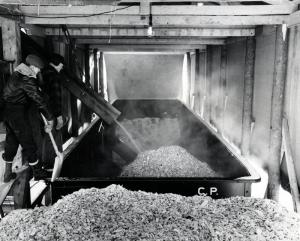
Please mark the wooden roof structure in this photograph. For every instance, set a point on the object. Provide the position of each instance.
(176, 24)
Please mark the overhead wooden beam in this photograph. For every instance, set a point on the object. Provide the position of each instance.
(157, 32)
(172, 48)
(205, 1)
(217, 21)
(147, 41)
(162, 21)
(223, 10)
(206, 10)
(56, 2)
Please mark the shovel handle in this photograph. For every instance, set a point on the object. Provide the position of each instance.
(51, 137)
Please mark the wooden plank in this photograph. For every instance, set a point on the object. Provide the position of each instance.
(217, 21)
(101, 74)
(172, 48)
(208, 85)
(279, 79)
(208, 1)
(189, 77)
(95, 102)
(196, 95)
(21, 190)
(146, 41)
(79, 10)
(56, 2)
(223, 85)
(158, 32)
(11, 39)
(223, 10)
(160, 21)
(290, 165)
(212, 10)
(248, 95)
(96, 79)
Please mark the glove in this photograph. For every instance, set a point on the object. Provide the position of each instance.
(48, 128)
(60, 122)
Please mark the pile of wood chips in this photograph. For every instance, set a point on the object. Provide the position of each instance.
(115, 213)
(168, 161)
(150, 133)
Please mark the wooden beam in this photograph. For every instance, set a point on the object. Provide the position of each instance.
(212, 10)
(248, 95)
(208, 84)
(147, 41)
(208, 1)
(96, 79)
(87, 63)
(34, 30)
(158, 32)
(11, 39)
(189, 77)
(223, 10)
(95, 102)
(101, 74)
(196, 95)
(217, 21)
(172, 48)
(161, 21)
(56, 2)
(279, 79)
(223, 85)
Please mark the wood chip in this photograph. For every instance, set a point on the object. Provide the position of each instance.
(114, 213)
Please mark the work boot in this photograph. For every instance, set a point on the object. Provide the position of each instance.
(8, 174)
(38, 172)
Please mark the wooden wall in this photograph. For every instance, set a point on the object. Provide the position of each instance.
(292, 100)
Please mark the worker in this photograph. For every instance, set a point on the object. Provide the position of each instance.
(52, 86)
(19, 91)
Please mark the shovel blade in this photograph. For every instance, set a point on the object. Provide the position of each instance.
(57, 167)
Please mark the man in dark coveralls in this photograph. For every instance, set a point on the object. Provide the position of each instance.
(21, 90)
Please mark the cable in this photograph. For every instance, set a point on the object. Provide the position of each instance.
(66, 16)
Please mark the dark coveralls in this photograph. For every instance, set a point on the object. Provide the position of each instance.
(18, 93)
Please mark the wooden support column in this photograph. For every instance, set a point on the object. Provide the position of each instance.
(248, 95)
(197, 97)
(279, 78)
(189, 77)
(96, 79)
(73, 99)
(11, 39)
(208, 84)
(101, 74)
(223, 85)
(87, 63)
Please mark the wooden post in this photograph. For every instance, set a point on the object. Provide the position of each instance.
(208, 84)
(101, 74)
(96, 79)
(279, 77)
(87, 63)
(189, 77)
(197, 97)
(248, 95)
(11, 39)
(223, 85)
(73, 99)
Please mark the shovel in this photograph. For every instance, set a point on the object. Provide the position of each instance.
(59, 156)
